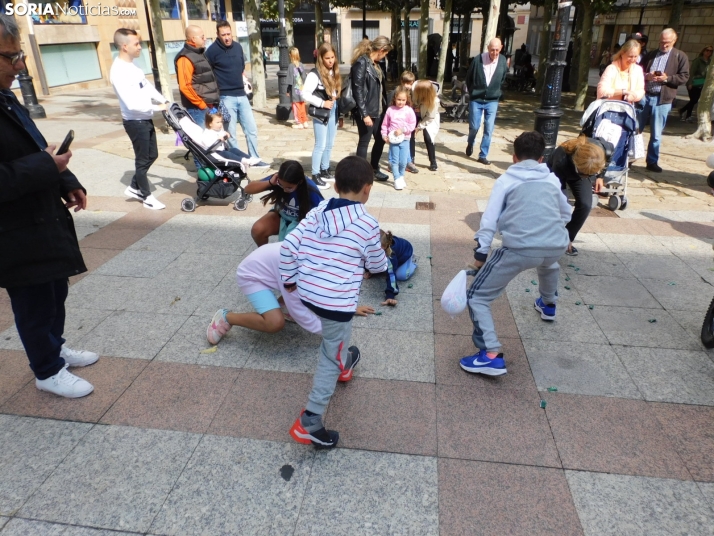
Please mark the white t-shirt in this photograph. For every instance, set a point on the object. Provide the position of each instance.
(135, 92)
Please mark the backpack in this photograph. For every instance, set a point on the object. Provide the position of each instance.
(346, 102)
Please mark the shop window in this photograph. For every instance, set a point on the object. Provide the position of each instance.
(54, 11)
(197, 9)
(372, 31)
(70, 63)
(218, 9)
(169, 9)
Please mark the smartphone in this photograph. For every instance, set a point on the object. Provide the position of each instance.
(66, 143)
(658, 73)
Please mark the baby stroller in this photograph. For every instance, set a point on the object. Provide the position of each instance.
(457, 107)
(615, 122)
(224, 176)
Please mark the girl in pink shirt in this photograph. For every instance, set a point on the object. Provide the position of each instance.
(397, 127)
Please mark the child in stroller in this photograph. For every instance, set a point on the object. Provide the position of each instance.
(220, 173)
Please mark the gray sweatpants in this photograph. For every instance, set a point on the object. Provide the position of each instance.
(333, 352)
(491, 280)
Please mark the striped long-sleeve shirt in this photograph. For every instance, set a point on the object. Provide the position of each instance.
(326, 256)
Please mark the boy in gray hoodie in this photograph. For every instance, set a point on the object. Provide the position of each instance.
(530, 210)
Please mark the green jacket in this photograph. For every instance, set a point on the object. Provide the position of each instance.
(476, 80)
(698, 71)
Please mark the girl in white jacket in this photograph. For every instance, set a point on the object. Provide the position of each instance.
(426, 103)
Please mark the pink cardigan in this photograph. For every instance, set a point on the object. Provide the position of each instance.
(403, 119)
(632, 81)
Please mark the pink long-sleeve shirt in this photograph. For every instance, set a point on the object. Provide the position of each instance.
(403, 119)
(613, 79)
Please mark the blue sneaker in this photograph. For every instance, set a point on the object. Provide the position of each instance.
(547, 312)
(480, 364)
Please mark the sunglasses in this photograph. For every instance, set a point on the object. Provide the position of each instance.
(290, 187)
(14, 58)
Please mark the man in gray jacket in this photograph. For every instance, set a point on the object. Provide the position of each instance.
(530, 210)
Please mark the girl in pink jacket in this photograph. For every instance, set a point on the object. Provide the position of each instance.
(397, 127)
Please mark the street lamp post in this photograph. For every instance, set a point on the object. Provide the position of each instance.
(643, 5)
(282, 112)
(29, 97)
(152, 50)
(548, 116)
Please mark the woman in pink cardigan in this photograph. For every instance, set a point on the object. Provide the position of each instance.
(623, 79)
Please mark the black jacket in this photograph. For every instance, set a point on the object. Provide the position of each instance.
(366, 88)
(37, 236)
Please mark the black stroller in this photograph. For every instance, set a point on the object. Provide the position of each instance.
(225, 175)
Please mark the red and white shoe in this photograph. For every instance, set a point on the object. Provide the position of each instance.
(354, 356)
(320, 439)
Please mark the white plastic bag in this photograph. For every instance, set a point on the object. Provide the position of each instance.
(453, 300)
(639, 149)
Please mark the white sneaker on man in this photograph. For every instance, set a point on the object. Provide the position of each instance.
(78, 358)
(153, 203)
(133, 192)
(65, 384)
(400, 183)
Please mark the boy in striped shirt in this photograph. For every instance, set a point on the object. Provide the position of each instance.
(324, 260)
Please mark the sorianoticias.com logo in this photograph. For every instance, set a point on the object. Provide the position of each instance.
(23, 8)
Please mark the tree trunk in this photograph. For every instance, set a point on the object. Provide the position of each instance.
(407, 41)
(160, 50)
(397, 38)
(544, 49)
(289, 25)
(423, 33)
(252, 17)
(484, 24)
(586, 17)
(675, 16)
(577, 45)
(492, 24)
(448, 4)
(465, 45)
(704, 105)
(319, 26)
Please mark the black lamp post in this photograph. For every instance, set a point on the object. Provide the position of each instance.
(152, 50)
(548, 116)
(29, 97)
(643, 5)
(282, 112)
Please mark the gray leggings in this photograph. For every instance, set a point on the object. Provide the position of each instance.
(501, 267)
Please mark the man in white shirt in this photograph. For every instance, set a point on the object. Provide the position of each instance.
(136, 96)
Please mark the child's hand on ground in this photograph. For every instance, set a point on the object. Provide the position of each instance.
(391, 302)
(364, 310)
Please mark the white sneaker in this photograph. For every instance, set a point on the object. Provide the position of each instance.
(65, 384)
(132, 192)
(153, 203)
(78, 358)
(400, 183)
(261, 164)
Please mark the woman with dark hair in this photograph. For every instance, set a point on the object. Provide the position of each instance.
(370, 93)
(292, 196)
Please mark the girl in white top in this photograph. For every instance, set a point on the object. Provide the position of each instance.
(321, 88)
(424, 100)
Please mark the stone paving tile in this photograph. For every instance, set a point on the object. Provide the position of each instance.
(27, 527)
(538, 500)
(110, 377)
(595, 263)
(688, 295)
(593, 369)
(131, 263)
(419, 318)
(262, 405)
(665, 267)
(387, 494)
(619, 504)
(406, 410)
(165, 294)
(704, 267)
(30, 450)
(631, 243)
(226, 295)
(196, 266)
(125, 231)
(15, 373)
(116, 478)
(632, 327)
(573, 323)
(3, 521)
(481, 423)
(686, 379)
(173, 396)
(104, 292)
(291, 350)
(372, 290)
(117, 334)
(590, 242)
(687, 247)
(93, 259)
(691, 322)
(613, 291)
(614, 435)
(238, 486)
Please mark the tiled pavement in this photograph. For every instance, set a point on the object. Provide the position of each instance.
(178, 441)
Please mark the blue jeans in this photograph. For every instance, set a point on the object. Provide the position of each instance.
(655, 115)
(399, 157)
(241, 112)
(324, 140)
(476, 109)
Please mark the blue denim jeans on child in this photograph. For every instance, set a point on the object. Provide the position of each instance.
(651, 113)
(399, 157)
(241, 112)
(476, 110)
(324, 140)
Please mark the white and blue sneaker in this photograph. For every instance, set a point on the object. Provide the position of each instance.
(547, 311)
(480, 364)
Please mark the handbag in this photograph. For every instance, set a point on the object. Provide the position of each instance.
(346, 102)
(321, 114)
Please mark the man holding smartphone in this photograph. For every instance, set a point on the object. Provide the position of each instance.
(666, 68)
(37, 237)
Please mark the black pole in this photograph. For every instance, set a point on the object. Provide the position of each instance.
(547, 120)
(282, 111)
(364, 18)
(152, 49)
(29, 97)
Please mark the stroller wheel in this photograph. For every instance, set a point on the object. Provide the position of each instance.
(614, 202)
(240, 204)
(188, 205)
(623, 202)
(248, 197)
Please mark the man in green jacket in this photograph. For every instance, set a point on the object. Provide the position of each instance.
(484, 80)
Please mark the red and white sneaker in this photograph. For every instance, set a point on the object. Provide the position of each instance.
(320, 438)
(354, 357)
(218, 327)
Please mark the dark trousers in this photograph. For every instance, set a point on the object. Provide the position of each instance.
(365, 134)
(143, 139)
(39, 317)
(694, 94)
(430, 149)
(583, 193)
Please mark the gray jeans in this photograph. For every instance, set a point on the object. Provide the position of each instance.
(501, 267)
(333, 353)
